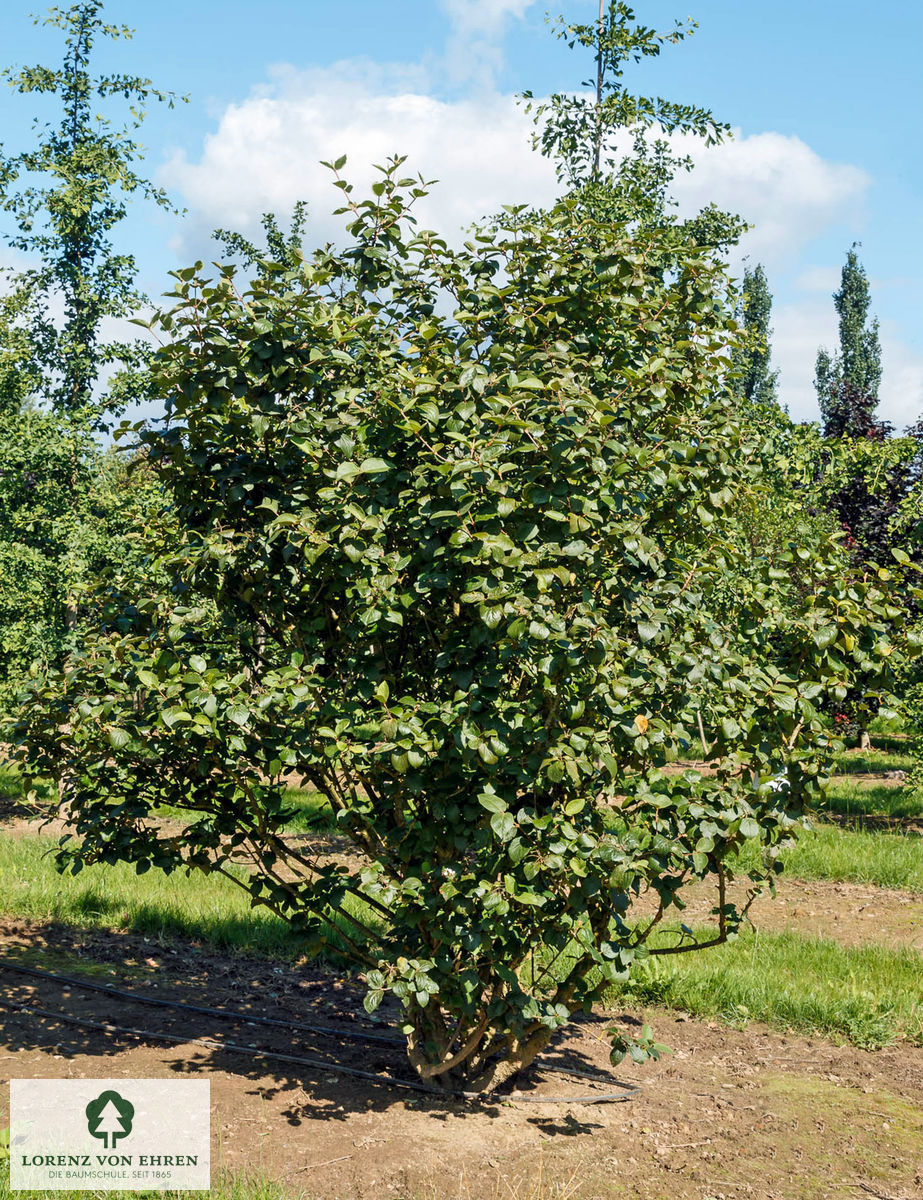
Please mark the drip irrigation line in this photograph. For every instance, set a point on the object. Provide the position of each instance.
(626, 1091)
(335, 1068)
(208, 1043)
(229, 1014)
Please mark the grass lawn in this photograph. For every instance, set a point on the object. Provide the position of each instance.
(223, 1188)
(864, 762)
(849, 798)
(13, 788)
(867, 995)
(311, 811)
(887, 860)
(208, 908)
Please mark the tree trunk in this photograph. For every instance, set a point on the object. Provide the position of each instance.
(468, 1068)
(520, 1055)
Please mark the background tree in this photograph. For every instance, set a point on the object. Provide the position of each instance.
(280, 247)
(847, 381)
(610, 146)
(876, 471)
(54, 553)
(864, 474)
(756, 383)
(66, 194)
(63, 519)
(19, 377)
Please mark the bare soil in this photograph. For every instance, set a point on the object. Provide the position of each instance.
(730, 1113)
(848, 913)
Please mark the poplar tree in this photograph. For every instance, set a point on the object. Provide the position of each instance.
(756, 382)
(874, 471)
(847, 391)
(847, 381)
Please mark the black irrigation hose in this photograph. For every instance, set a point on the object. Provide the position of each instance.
(625, 1092)
(337, 1069)
(137, 997)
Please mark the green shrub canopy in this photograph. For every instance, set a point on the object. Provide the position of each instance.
(457, 548)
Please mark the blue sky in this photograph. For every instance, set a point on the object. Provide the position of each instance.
(824, 97)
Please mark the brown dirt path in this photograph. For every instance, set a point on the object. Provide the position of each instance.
(730, 1114)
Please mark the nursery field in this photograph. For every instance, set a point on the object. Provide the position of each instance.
(373, 577)
(797, 1051)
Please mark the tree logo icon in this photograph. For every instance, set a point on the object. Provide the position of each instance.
(109, 1117)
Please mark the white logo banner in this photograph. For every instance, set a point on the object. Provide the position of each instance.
(109, 1134)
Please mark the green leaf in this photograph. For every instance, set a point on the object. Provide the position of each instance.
(492, 803)
(373, 999)
(503, 825)
(825, 636)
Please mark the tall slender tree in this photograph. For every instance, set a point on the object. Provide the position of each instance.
(66, 194)
(756, 382)
(847, 391)
(585, 132)
(874, 478)
(60, 512)
(847, 381)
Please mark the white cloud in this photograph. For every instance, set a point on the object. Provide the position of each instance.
(473, 49)
(483, 17)
(266, 151)
(12, 261)
(265, 155)
(819, 279)
(799, 330)
(901, 391)
(777, 183)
